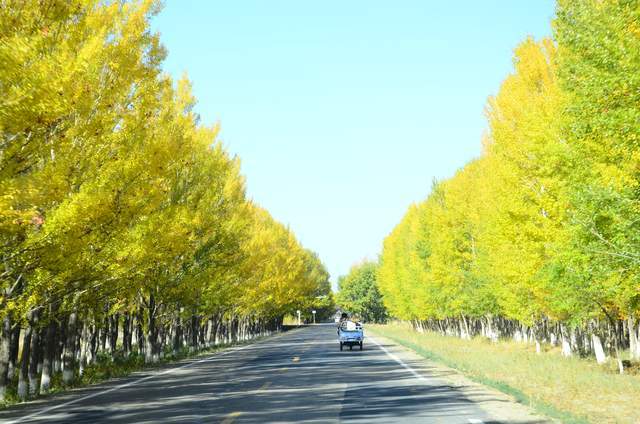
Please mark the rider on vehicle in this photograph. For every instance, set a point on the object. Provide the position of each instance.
(344, 317)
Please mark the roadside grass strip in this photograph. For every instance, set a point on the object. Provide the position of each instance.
(570, 390)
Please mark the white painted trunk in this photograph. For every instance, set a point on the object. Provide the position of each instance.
(601, 357)
(209, 333)
(45, 382)
(553, 339)
(84, 345)
(134, 334)
(517, 336)
(33, 383)
(634, 337)
(22, 388)
(538, 348)
(494, 331)
(67, 375)
(566, 347)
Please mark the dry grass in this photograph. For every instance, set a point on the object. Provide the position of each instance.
(579, 387)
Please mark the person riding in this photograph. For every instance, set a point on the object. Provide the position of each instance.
(344, 317)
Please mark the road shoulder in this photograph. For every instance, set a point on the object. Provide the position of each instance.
(498, 405)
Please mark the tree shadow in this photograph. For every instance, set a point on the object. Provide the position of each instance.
(266, 383)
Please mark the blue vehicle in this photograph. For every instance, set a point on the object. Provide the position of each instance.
(350, 334)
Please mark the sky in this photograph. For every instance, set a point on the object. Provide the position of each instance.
(344, 112)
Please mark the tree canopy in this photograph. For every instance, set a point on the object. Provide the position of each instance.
(117, 206)
(359, 294)
(538, 237)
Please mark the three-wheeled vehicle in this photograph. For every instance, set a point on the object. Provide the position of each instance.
(350, 334)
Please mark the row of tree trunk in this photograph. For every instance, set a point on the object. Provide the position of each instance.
(598, 338)
(32, 351)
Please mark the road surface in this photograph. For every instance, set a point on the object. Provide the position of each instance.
(298, 376)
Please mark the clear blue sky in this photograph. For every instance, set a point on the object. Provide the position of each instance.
(343, 112)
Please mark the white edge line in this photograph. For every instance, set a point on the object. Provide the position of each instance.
(122, 386)
(413, 372)
(398, 360)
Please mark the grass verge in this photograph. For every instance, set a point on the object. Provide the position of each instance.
(572, 390)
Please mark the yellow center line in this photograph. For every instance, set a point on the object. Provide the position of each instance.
(265, 386)
(231, 417)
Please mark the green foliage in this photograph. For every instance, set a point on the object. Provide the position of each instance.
(113, 197)
(111, 190)
(359, 294)
(543, 225)
(599, 58)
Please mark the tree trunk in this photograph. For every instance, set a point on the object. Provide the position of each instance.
(150, 348)
(177, 334)
(49, 351)
(140, 331)
(536, 332)
(13, 355)
(617, 341)
(601, 357)
(566, 346)
(234, 330)
(217, 330)
(636, 354)
(616, 345)
(134, 333)
(35, 355)
(5, 353)
(467, 330)
(202, 334)
(23, 376)
(84, 347)
(634, 348)
(161, 339)
(93, 343)
(104, 335)
(126, 334)
(69, 350)
(61, 335)
(194, 333)
(208, 333)
(114, 324)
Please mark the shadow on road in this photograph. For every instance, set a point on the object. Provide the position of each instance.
(298, 377)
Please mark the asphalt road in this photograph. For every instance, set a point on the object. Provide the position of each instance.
(299, 376)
